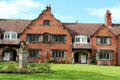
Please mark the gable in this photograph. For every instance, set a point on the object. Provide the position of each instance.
(46, 15)
(103, 31)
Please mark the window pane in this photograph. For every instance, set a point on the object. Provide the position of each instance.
(58, 38)
(34, 53)
(33, 38)
(105, 54)
(14, 36)
(46, 22)
(58, 53)
(84, 40)
(46, 37)
(103, 40)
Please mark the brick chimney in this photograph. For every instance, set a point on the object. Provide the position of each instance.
(108, 21)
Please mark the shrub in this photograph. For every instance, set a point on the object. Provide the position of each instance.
(12, 67)
(40, 67)
(9, 67)
(93, 60)
(51, 60)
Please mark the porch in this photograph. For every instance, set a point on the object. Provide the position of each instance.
(81, 56)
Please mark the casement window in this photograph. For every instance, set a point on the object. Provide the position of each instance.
(104, 55)
(103, 40)
(81, 39)
(77, 39)
(58, 53)
(46, 22)
(10, 35)
(58, 38)
(34, 53)
(46, 37)
(33, 37)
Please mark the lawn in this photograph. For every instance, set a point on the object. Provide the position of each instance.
(70, 72)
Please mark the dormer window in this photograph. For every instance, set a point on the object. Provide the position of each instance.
(81, 39)
(46, 22)
(10, 35)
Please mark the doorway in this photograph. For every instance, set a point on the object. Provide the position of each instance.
(76, 57)
(83, 58)
(9, 55)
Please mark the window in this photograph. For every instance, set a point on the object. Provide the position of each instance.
(77, 39)
(104, 40)
(46, 37)
(10, 35)
(34, 53)
(13, 35)
(33, 37)
(58, 53)
(81, 39)
(58, 38)
(84, 40)
(46, 22)
(104, 55)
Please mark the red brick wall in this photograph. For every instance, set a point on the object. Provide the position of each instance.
(103, 31)
(118, 50)
(55, 27)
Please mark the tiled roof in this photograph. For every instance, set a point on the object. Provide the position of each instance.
(115, 29)
(82, 28)
(74, 28)
(88, 29)
(14, 25)
(81, 46)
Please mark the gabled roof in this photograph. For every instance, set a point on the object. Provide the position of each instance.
(74, 29)
(16, 25)
(115, 29)
(82, 28)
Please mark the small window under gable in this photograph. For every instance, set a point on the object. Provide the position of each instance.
(81, 39)
(46, 22)
(10, 35)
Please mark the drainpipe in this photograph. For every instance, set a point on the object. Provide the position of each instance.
(117, 50)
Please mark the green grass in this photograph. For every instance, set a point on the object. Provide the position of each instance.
(70, 72)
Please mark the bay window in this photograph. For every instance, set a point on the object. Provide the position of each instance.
(10, 35)
(81, 39)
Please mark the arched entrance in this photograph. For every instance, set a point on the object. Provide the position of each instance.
(81, 56)
(9, 54)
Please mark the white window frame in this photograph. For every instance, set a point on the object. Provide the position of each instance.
(81, 37)
(10, 34)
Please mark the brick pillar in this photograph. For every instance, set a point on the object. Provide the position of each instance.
(73, 57)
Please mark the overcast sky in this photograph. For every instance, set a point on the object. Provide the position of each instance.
(85, 11)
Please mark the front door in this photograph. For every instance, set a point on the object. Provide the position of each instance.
(83, 59)
(7, 56)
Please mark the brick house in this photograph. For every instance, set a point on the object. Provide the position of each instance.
(49, 38)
